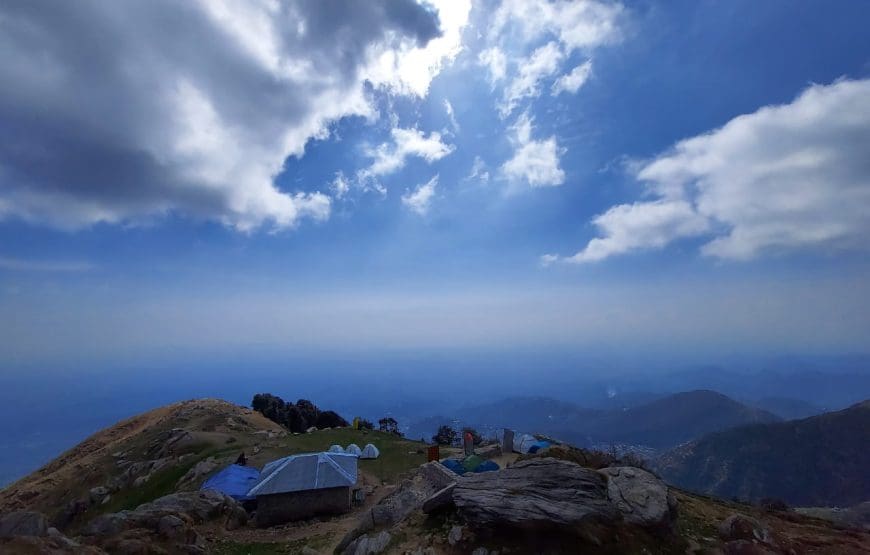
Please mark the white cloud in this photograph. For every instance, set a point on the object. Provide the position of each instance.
(586, 24)
(571, 82)
(535, 162)
(785, 177)
(451, 115)
(542, 63)
(388, 158)
(340, 185)
(552, 31)
(478, 171)
(420, 198)
(496, 62)
(194, 107)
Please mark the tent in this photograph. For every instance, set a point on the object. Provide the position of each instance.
(306, 472)
(370, 452)
(538, 445)
(234, 480)
(336, 449)
(353, 449)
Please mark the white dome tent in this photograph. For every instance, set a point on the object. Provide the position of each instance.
(370, 452)
(353, 449)
(336, 449)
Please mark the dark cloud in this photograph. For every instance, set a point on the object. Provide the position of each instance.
(113, 111)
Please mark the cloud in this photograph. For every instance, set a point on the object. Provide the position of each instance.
(478, 171)
(24, 265)
(340, 185)
(133, 111)
(529, 41)
(785, 177)
(419, 199)
(576, 25)
(390, 157)
(571, 82)
(495, 61)
(451, 115)
(535, 162)
(542, 63)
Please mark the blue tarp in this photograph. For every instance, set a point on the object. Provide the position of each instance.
(458, 467)
(538, 445)
(234, 480)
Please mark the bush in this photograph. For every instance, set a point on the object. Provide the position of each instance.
(445, 436)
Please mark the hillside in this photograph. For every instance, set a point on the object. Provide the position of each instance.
(173, 448)
(817, 461)
(787, 408)
(118, 491)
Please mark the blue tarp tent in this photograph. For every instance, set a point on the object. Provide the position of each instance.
(538, 445)
(234, 480)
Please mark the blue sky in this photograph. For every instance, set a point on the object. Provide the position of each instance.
(674, 177)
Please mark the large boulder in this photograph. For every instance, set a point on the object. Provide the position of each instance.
(408, 496)
(188, 507)
(640, 496)
(536, 493)
(23, 523)
(369, 544)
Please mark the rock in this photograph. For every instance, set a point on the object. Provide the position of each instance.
(310, 551)
(427, 551)
(455, 535)
(171, 527)
(23, 523)
(199, 470)
(536, 493)
(641, 497)
(742, 527)
(369, 545)
(98, 494)
(236, 518)
(440, 499)
(196, 506)
(480, 551)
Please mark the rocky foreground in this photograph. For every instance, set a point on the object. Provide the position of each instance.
(110, 496)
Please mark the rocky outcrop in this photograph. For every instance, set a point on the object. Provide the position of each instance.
(642, 498)
(167, 520)
(408, 496)
(537, 493)
(369, 544)
(23, 523)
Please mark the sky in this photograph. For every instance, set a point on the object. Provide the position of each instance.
(337, 176)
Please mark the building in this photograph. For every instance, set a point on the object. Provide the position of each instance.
(303, 486)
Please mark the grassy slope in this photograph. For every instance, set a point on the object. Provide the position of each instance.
(398, 455)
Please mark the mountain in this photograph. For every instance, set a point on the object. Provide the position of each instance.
(788, 408)
(660, 424)
(818, 461)
(675, 419)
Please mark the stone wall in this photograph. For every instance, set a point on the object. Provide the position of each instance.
(285, 507)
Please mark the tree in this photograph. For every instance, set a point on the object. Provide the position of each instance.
(445, 436)
(330, 419)
(388, 424)
(366, 424)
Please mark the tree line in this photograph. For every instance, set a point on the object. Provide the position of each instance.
(297, 417)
